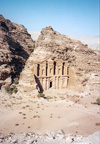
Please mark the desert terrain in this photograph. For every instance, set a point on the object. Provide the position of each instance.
(57, 110)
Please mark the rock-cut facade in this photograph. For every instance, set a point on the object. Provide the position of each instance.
(51, 74)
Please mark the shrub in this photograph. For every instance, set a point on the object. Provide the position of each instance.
(97, 124)
(16, 81)
(8, 89)
(48, 98)
(14, 89)
(41, 95)
(98, 101)
(11, 89)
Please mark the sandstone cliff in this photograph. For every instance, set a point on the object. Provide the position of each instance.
(15, 47)
(83, 60)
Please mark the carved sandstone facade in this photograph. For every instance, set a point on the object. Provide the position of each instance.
(52, 74)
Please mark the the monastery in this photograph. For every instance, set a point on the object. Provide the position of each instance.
(51, 74)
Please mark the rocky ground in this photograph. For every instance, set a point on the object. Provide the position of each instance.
(56, 137)
(57, 117)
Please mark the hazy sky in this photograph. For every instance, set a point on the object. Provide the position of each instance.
(70, 17)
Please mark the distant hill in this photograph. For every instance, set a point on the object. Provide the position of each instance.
(91, 41)
(34, 35)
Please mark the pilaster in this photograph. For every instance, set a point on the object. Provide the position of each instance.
(65, 68)
(50, 67)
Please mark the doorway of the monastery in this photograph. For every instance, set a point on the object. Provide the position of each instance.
(50, 84)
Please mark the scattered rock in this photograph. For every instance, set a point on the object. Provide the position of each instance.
(48, 138)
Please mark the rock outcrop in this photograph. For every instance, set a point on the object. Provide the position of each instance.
(83, 60)
(16, 46)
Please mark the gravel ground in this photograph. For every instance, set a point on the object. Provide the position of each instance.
(49, 138)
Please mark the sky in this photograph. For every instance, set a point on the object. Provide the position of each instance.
(69, 17)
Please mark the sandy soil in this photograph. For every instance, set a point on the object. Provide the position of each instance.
(73, 114)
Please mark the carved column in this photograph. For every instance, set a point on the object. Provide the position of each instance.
(50, 68)
(40, 70)
(45, 84)
(59, 67)
(66, 82)
(56, 69)
(43, 69)
(54, 82)
(48, 83)
(60, 82)
(65, 68)
(57, 82)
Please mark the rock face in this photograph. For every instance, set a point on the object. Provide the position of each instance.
(83, 61)
(15, 47)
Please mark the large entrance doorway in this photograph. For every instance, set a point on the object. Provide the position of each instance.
(50, 84)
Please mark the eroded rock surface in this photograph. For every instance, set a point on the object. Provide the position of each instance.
(16, 46)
